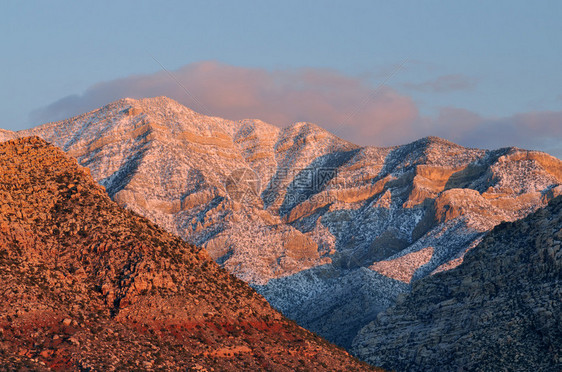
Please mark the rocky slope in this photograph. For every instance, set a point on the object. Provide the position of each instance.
(305, 217)
(500, 310)
(86, 285)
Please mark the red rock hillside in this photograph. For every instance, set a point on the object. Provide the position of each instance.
(86, 285)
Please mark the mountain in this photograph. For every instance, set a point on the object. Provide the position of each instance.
(87, 285)
(329, 232)
(500, 310)
(6, 135)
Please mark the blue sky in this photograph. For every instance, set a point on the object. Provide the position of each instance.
(471, 69)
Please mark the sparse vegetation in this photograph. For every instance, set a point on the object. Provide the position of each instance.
(96, 286)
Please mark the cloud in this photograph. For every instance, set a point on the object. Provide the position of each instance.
(347, 106)
(532, 130)
(443, 84)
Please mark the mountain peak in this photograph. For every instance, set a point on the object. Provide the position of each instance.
(103, 288)
(158, 101)
(307, 127)
(432, 141)
(310, 133)
(151, 104)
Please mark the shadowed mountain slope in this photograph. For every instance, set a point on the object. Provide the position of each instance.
(500, 310)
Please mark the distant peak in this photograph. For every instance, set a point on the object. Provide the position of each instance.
(142, 104)
(160, 100)
(305, 128)
(431, 141)
(305, 124)
(438, 140)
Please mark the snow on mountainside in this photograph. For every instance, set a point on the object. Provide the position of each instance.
(307, 218)
(501, 310)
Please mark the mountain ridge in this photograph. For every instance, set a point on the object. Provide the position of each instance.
(87, 285)
(499, 310)
(294, 208)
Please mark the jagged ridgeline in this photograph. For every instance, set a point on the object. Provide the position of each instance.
(328, 231)
(87, 285)
(500, 310)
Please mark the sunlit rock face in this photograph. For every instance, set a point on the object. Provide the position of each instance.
(90, 286)
(328, 231)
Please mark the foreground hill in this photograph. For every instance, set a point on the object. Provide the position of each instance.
(500, 310)
(329, 232)
(87, 285)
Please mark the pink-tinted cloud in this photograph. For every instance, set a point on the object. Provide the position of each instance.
(347, 106)
(444, 84)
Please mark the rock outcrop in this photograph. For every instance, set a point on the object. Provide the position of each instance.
(279, 208)
(500, 310)
(86, 285)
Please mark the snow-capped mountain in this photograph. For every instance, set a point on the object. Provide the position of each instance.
(328, 231)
